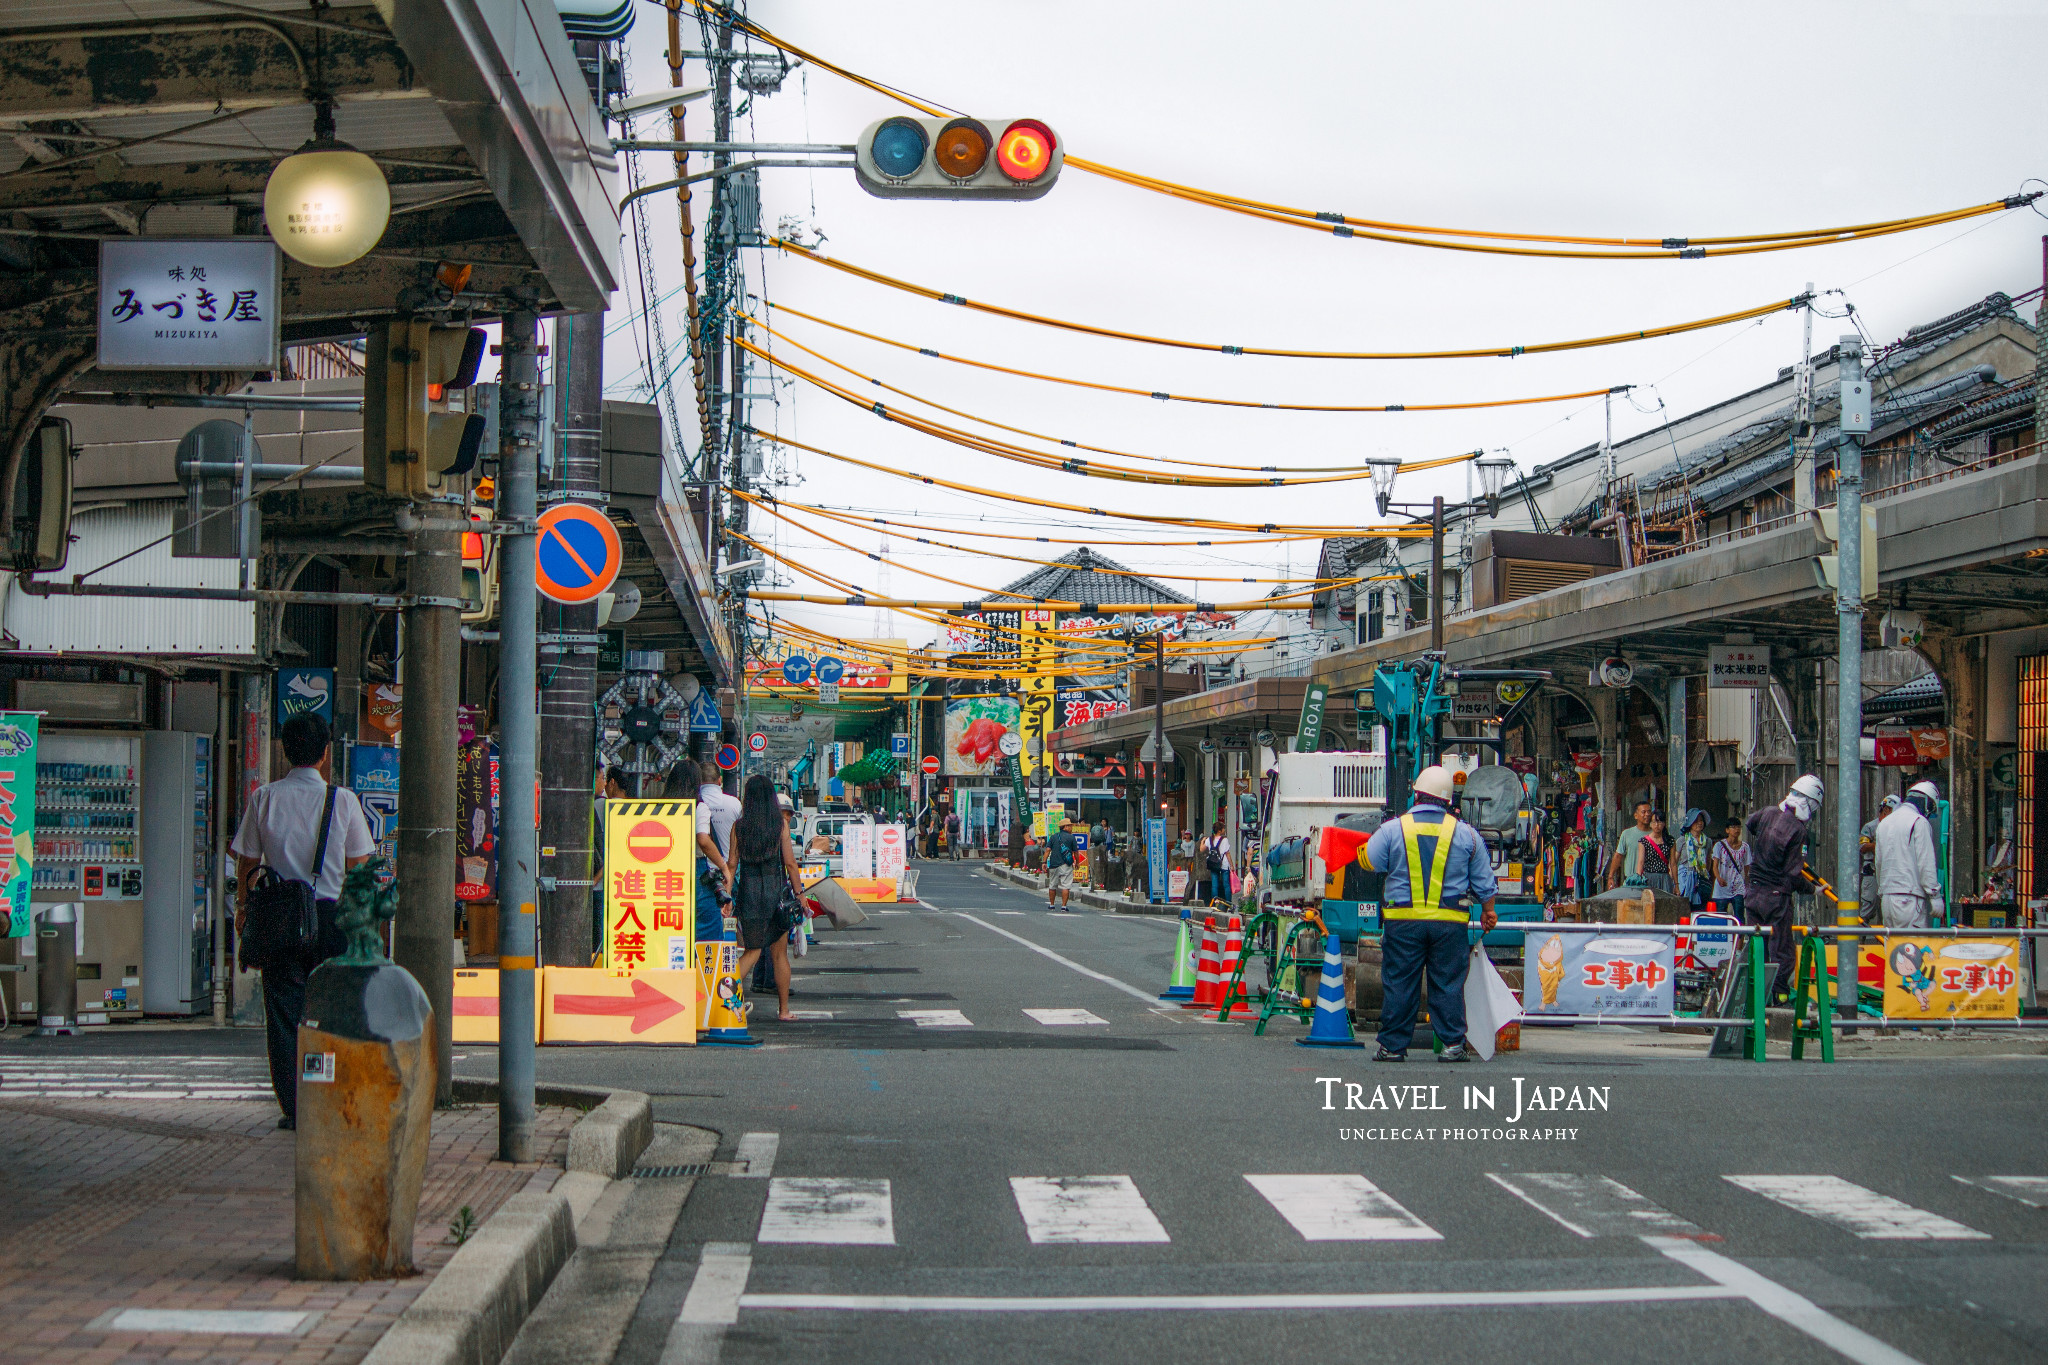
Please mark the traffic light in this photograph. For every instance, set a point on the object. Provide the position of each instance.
(479, 577)
(410, 364)
(961, 158)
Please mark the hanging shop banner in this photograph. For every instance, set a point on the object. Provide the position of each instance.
(172, 303)
(373, 777)
(1739, 666)
(857, 849)
(476, 832)
(302, 691)
(1952, 978)
(384, 709)
(1155, 858)
(1616, 973)
(18, 734)
(650, 890)
(974, 730)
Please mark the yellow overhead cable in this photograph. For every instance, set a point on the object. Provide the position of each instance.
(928, 665)
(1087, 469)
(1459, 239)
(1474, 353)
(943, 605)
(1056, 540)
(1172, 397)
(1410, 532)
(774, 508)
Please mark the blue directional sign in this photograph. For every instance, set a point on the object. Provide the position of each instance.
(830, 670)
(704, 717)
(796, 670)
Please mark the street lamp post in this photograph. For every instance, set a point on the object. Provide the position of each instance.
(1493, 471)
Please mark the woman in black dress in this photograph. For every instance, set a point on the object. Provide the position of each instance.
(767, 867)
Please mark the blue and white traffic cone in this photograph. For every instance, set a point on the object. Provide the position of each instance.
(1180, 982)
(1332, 1025)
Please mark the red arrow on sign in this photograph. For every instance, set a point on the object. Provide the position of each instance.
(646, 1006)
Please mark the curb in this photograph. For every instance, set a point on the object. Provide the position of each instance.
(475, 1307)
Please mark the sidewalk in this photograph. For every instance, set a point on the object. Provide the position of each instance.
(1083, 895)
(109, 1206)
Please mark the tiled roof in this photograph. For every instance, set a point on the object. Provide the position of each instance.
(1080, 577)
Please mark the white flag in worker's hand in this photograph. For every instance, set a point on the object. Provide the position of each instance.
(1489, 1004)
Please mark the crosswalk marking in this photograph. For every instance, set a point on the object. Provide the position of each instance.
(811, 1014)
(1594, 1206)
(837, 1211)
(1851, 1207)
(1794, 1310)
(1341, 1208)
(134, 1078)
(1228, 1303)
(1063, 1209)
(1063, 1017)
(756, 1154)
(1008, 912)
(936, 1018)
(714, 1297)
(2031, 1190)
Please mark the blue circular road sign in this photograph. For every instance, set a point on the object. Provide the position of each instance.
(796, 670)
(830, 670)
(577, 555)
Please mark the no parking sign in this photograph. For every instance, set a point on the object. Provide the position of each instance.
(577, 553)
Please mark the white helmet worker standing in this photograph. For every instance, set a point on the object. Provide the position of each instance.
(1777, 870)
(1436, 781)
(1908, 877)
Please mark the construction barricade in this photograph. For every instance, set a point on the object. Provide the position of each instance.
(1952, 978)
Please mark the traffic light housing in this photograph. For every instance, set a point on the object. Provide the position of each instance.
(410, 365)
(479, 577)
(958, 158)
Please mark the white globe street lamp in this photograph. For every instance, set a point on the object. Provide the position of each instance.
(326, 204)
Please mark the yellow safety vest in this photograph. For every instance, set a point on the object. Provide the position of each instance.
(1426, 886)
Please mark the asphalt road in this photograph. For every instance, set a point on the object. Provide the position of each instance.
(891, 1226)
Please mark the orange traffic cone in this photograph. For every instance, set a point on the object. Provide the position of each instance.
(1208, 985)
(1233, 951)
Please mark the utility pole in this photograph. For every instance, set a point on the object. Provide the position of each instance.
(1849, 552)
(423, 939)
(1803, 481)
(518, 863)
(1436, 575)
(1156, 809)
(568, 737)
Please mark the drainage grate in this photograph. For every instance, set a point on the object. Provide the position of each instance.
(671, 1172)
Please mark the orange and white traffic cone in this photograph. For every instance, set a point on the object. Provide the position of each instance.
(1208, 984)
(1233, 953)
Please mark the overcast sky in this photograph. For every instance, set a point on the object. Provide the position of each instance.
(1593, 119)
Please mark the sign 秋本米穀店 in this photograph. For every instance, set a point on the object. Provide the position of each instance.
(650, 884)
(18, 743)
(1596, 973)
(189, 303)
(1951, 978)
(373, 777)
(1738, 666)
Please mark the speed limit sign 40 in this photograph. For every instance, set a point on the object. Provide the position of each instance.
(757, 743)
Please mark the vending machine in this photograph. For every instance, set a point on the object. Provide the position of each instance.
(123, 832)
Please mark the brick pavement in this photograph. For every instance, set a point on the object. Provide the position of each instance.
(177, 1204)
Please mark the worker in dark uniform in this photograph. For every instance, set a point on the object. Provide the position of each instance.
(1777, 871)
(1434, 863)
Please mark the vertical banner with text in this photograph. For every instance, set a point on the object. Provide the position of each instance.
(650, 885)
(18, 732)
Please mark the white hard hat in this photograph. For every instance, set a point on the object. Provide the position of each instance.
(1809, 787)
(1926, 789)
(1435, 781)
(1890, 802)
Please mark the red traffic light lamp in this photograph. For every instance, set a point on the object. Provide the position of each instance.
(961, 158)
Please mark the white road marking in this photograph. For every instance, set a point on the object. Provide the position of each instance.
(1792, 1309)
(1868, 1214)
(936, 1018)
(1341, 1208)
(1149, 997)
(1064, 1209)
(837, 1210)
(1183, 1303)
(714, 1296)
(1007, 912)
(756, 1153)
(810, 1014)
(2031, 1190)
(1594, 1206)
(1062, 1017)
(210, 1321)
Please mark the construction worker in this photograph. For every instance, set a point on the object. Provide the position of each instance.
(1433, 863)
(1908, 877)
(1777, 870)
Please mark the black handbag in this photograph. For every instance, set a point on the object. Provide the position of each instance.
(282, 926)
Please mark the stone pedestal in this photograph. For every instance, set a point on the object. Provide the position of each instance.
(366, 1098)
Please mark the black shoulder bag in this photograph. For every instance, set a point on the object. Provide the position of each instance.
(282, 928)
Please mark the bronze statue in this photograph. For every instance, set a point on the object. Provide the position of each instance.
(366, 902)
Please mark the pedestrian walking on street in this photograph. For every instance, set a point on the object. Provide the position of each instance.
(1059, 867)
(1908, 877)
(1618, 867)
(1694, 874)
(953, 836)
(1433, 863)
(1731, 870)
(291, 824)
(1216, 863)
(1653, 857)
(767, 894)
(1777, 870)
